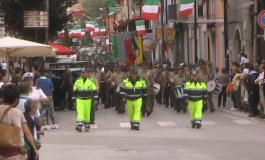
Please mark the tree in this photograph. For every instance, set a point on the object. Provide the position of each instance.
(58, 17)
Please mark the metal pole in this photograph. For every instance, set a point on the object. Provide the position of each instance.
(195, 32)
(255, 32)
(162, 23)
(226, 35)
(47, 29)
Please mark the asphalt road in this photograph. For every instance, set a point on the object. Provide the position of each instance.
(165, 135)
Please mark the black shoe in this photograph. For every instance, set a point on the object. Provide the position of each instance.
(252, 115)
(121, 112)
(136, 128)
(78, 128)
(193, 125)
(184, 111)
(93, 122)
(148, 114)
(198, 125)
(212, 110)
(178, 111)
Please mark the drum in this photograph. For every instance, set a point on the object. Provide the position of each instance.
(156, 88)
(217, 89)
(210, 86)
(179, 91)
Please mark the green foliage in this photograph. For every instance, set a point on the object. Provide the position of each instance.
(58, 17)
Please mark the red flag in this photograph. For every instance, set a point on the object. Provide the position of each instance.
(78, 12)
(130, 56)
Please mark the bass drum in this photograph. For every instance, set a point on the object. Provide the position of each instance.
(156, 88)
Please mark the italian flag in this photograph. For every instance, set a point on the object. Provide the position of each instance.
(140, 27)
(77, 30)
(90, 26)
(103, 30)
(150, 9)
(186, 7)
(97, 30)
(113, 10)
(61, 34)
(71, 33)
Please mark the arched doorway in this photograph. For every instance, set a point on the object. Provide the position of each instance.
(237, 45)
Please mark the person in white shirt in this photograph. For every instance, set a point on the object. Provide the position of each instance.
(243, 58)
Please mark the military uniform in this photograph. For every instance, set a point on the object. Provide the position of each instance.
(117, 78)
(179, 80)
(148, 104)
(204, 77)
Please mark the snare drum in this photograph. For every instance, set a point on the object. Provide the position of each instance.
(179, 91)
(218, 89)
(210, 86)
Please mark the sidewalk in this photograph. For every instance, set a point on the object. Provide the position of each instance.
(229, 105)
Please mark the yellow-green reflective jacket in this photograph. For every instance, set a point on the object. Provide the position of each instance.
(85, 88)
(195, 91)
(133, 91)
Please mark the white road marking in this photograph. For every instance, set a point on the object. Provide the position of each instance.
(125, 125)
(208, 123)
(93, 126)
(244, 122)
(166, 123)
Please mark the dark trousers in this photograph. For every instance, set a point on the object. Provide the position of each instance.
(172, 95)
(68, 101)
(92, 111)
(235, 96)
(253, 101)
(148, 105)
(101, 94)
(181, 105)
(117, 99)
(223, 95)
(108, 95)
(166, 95)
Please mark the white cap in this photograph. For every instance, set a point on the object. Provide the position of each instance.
(27, 76)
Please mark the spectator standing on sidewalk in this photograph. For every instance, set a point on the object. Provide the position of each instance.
(260, 82)
(46, 85)
(253, 91)
(223, 80)
(235, 96)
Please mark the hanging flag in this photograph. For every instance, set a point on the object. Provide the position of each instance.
(114, 2)
(113, 10)
(61, 34)
(186, 7)
(77, 31)
(150, 9)
(138, 50)
(115, 47)
(130, 56)
(78, 12)
(90, 26)
(135, 15)
(103, 30)
(140, 27)
(97, 31)
(71, 33)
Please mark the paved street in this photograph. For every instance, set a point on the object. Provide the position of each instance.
(165, 135)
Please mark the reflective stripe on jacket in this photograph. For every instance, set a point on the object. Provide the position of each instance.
(85, 89)
(133, 91)
(195, 91)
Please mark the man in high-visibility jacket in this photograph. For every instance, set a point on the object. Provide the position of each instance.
(85, 89)
(135, 91)
(195, 92)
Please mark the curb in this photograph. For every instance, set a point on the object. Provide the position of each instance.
(241, 115)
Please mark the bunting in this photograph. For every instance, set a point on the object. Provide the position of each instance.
(90, 26)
